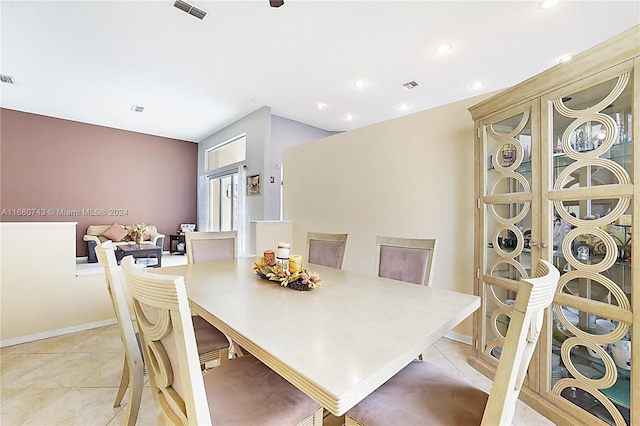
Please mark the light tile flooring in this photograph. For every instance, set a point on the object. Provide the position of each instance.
(73, 379)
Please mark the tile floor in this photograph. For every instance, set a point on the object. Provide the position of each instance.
(73, 379)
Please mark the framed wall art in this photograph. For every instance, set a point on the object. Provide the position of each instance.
(254, 185)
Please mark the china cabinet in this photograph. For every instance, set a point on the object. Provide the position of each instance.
(557, 178)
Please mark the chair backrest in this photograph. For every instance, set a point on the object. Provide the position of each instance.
(164, 321)
(326, 249)
(210, 246)
(107, 258)
(534, 296)
(406, 259)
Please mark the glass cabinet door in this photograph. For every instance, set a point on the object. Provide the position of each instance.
(587, 191)
(508, 218)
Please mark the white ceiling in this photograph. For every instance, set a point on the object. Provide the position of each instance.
(91, 61)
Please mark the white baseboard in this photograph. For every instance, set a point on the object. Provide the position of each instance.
(55, 333)
(462, 338)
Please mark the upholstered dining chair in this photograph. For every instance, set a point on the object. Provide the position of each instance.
(212, 344)
(406, 259)
(423, 393)
(181, 393)
(326, 249)
(210, 246)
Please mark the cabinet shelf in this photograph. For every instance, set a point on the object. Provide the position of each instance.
(557, 254)
(580, 352)
(620, 153)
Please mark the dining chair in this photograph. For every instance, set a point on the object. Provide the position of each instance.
(326, 249)
(423, 393)
(405, 259)
(212, 344)
(133, 370)
(242, 391)
(210, 246)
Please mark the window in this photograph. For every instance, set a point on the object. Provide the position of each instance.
(227, 153)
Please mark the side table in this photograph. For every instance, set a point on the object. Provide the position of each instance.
(177, 248)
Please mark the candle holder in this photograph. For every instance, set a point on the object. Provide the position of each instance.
(282, 255)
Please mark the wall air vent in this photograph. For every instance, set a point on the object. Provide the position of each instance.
(411, 85)
(7, 79)
(191, 10)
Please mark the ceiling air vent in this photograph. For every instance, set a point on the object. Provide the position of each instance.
(411, 85)
(7, 79)
(191, 10)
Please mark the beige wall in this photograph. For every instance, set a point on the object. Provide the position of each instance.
(41, 294)
(407, 177)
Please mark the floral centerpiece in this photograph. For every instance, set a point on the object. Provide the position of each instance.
(138, 232)
(299, 280)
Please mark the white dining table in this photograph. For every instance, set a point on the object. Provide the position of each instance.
(338, 342)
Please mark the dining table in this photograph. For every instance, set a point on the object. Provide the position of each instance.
(338, 342)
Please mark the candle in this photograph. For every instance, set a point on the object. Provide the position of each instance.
(283, 251)
(295, 263)
(270, 257)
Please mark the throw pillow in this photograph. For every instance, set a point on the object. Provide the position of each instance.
(115, 232)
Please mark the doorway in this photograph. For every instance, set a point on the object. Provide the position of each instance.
(223, 195)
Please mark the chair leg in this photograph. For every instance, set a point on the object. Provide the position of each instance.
(124, 383)
(318, 417)
(348, 421)
(135, 394)
(223, 355)
(237, 350)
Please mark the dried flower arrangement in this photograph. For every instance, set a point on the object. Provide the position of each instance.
(302, 281)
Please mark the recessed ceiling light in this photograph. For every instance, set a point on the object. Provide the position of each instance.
(443, 48)
(478, 85)
(360, 84)
(321, 106)
(548, 4)
(403, 107)
(137, 108)
(349, 117)
(565, 58)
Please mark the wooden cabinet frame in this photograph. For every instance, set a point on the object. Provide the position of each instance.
(604, 62)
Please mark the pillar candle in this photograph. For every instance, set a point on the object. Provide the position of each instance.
(295, 263)
(270, 257)
(283, 251)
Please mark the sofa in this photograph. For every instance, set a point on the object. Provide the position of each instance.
(119, 234)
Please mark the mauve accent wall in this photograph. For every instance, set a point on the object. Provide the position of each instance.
(67, 168)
